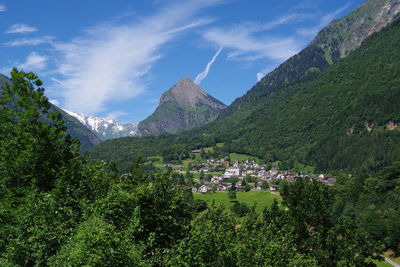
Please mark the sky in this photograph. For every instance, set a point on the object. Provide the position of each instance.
(114, 59)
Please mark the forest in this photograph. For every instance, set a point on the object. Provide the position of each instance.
(59, 209)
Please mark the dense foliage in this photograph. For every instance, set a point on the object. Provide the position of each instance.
(56, 209)
(344, 118)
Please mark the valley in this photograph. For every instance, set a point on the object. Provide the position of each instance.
(302, 170)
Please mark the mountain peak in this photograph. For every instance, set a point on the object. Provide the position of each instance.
(185, 92)
(185, 105)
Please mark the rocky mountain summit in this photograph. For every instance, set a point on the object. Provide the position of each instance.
(184, 106)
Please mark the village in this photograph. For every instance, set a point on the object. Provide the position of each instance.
(223, 174)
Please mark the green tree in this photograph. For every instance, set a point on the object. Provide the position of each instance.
(232, 195)
(34, 147)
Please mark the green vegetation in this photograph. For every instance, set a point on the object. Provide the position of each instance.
(382, 264)
(242, 157)
(262, 199)
(57, 209)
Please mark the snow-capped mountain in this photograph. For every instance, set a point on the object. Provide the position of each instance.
(105, 128)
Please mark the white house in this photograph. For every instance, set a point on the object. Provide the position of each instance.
(232, 171)
(203, 189)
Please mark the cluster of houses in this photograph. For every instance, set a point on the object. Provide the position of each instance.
(256, 171)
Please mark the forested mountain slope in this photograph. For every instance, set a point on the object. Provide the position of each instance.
(334, 42)
(345, 118)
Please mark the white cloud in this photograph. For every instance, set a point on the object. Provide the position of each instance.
(2, 8)
(20, 28)
(249, 48)
(114, 115)
(248, 41)
(34, 62)
(30, 41)
(202, 75)
(109, 62)
(323, 21)
(54, 102)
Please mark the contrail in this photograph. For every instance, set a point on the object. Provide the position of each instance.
(200, 77)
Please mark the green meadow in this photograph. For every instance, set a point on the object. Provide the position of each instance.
(261, 198)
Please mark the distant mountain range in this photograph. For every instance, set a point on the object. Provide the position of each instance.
(333, 106)
(182, 107)
(105, 128)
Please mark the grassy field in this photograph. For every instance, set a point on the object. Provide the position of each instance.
(241, 157)
(262, 198)
(186, 162)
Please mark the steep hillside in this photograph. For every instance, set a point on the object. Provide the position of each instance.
(182, 107)
(74, 127)
(334, 42)
(345, 118)
(105, 128)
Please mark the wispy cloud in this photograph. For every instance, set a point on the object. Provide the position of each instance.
(324, 21)
(30, 41)
(2, 8)
(249, 41)
(109, 62)
(34, 62)
(114, 115)
(249, 48)
(20, 28)
(202, 75)
(54, 102)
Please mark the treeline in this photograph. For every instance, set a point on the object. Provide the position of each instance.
(57, 209)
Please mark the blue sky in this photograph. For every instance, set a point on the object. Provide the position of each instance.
(115, 58)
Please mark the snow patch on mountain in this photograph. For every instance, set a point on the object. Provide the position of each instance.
(105, 128)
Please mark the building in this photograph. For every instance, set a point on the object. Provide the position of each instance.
(232, 171)
(203, 189)
(273, 187)
(196, 152)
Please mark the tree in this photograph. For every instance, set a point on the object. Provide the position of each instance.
(247, 188)
(34, 147)
(240, 209)
(265, 186)
(232, 195)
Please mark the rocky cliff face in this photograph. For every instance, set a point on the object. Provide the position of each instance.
(344, 35)
(184, 106)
